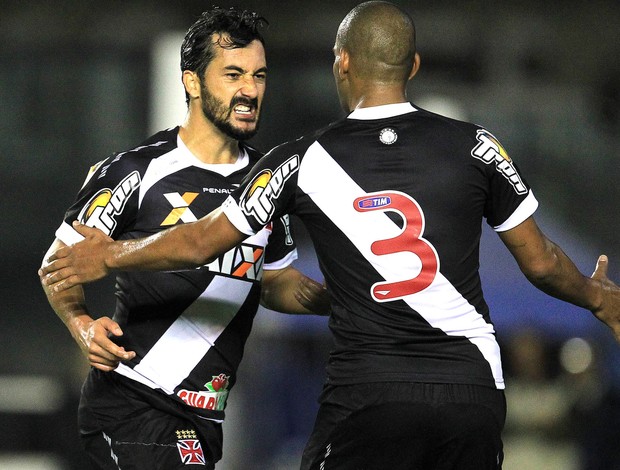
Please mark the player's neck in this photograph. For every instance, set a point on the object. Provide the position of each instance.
(367, 97)
(207, 143)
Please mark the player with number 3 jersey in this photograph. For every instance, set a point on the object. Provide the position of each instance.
(407, 303)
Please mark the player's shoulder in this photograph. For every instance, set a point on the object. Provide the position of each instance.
(446, 124)
(156, 145)
(139, 156)
(134, 160)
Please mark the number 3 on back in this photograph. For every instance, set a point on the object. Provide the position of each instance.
(409, 240)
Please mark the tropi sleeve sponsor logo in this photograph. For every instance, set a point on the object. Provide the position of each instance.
(104, 207)
(489, 150)
(257, 199)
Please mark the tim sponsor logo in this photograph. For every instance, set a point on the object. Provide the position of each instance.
(370, 203)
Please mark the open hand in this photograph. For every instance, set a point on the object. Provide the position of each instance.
(609, 309)
(80, 263)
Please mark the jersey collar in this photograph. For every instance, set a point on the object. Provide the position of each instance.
(224, 169)
(382, 112)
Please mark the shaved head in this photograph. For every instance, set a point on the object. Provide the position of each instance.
(380, 38)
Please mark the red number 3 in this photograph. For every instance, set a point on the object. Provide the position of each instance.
(409, 240)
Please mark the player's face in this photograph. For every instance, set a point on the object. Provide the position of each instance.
(233, 88)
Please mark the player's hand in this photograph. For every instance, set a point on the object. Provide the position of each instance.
(609, 309)
(77, 264)
(94, 340)
(313, 296)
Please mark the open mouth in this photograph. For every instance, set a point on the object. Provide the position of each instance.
(243, 109)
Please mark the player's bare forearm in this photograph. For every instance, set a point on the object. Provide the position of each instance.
(289, 291)
(183, 246)
(551, 270)
(564, 281)
(92, 336)
(548, 268)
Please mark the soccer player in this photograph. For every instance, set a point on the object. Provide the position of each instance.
(393, 197)
(162, 369)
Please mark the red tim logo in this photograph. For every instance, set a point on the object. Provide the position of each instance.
(191, 452)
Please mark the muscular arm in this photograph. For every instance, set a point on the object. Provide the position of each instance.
(183, 246)
(90, 335)
(289, 291)
(548, 268)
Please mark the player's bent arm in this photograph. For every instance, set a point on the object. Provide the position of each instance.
(183, 246)
(289, 291)
(90, 335)
(549, 269)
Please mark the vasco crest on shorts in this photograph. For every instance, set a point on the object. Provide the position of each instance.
(189, 447)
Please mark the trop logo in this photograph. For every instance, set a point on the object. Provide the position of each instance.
(103, 208)
(489, 150)
(257, 199)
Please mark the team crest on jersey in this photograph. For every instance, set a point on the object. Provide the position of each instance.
(104, 207)
(189, 448)
(489, 150)
(388, 136)
(257, 199)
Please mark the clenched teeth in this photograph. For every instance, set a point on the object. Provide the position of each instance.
(242, 109)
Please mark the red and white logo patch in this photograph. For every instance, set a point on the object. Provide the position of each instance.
(190, 451)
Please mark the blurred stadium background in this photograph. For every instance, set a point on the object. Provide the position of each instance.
(81, 79)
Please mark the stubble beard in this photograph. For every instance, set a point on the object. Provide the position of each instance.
(219, 114)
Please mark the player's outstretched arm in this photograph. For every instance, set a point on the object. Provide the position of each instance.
(92, 336)
(183, 246)
(289, 291)
(549, 269)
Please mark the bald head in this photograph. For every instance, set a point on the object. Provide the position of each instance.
(380, 39)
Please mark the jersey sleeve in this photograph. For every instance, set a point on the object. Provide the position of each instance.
(281, 250)
(510, 199)
(266, 193)
(107, 201)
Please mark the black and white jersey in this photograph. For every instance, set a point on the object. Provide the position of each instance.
(188, 327)
(393, 198)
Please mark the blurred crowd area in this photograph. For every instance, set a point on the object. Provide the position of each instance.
(78, 81)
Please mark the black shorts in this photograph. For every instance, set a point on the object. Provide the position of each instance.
(124, 427)
(407, 426)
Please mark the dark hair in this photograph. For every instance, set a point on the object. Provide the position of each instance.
(237, 29)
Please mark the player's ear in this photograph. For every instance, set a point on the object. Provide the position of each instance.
(343, 63)
(191, 82)
(415, 67)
